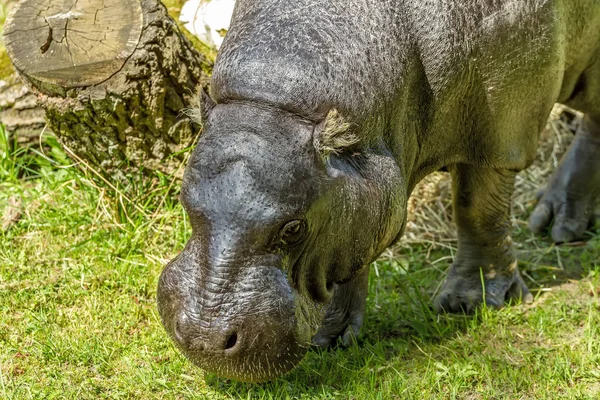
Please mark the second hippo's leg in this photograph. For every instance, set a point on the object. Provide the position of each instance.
(485, 265)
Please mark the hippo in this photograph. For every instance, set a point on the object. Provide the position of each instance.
(323, 116)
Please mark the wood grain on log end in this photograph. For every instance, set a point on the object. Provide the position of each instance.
(72, 43)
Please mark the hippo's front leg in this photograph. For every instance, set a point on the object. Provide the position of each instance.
(345, 313)
(485, 253)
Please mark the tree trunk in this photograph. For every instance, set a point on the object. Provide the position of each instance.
(112, 76)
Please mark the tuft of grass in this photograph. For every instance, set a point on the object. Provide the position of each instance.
(78, 319)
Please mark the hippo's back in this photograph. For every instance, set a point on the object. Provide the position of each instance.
(308, 55)
(495, 68)
(484, 73)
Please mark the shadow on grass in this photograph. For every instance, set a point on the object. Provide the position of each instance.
(352, 372)
(400, 321)
(549, 265)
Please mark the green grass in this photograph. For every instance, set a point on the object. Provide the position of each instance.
(6, 67)
(78, 319)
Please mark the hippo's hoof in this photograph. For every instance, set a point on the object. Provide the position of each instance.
(339, 328)
(463, 294)
(345, 313)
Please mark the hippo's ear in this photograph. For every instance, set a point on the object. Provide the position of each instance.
(199, 111)
(334, 135)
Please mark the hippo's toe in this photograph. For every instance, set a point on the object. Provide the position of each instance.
(345, 333)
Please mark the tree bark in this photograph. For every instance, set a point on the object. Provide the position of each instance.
(19, 111)
(113, 77)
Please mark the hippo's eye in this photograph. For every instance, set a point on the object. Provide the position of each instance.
(292, 232)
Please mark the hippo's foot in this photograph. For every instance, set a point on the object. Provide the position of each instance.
(345, 313)
(463, 293)
(568, 202)
(485, 268)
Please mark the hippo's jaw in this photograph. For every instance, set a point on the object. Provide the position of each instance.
(254, 330)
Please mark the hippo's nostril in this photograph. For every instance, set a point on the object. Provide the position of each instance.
(231, 341)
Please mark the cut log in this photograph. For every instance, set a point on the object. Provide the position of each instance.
(76, 43)
(112, 77)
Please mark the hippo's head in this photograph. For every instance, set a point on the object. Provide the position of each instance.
(282, 211)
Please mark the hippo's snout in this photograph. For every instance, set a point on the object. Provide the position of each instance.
(248, 326)
(214, 339)
(248, 351)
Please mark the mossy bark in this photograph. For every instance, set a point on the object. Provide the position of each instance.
(131, 121)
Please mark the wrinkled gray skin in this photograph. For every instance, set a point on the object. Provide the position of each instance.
(283, 234)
